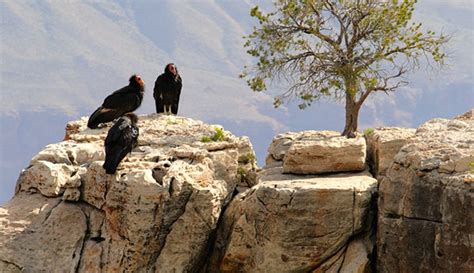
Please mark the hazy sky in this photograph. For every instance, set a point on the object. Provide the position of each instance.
(59, 59)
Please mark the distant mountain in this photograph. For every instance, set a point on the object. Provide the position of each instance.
(69, 55)
(59, 59)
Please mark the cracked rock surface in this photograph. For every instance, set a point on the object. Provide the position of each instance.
(297, 223)
(382, 146)
(156, 214)
(426, 204)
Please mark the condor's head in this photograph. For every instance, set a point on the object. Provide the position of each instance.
(133, 118)
(136, 80)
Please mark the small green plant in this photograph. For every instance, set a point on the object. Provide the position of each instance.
(471, 166)
(169, 121)
(247, 158)
(218, 136)
(241, 171)
(175, 121)
(368, 131)
(206, 139)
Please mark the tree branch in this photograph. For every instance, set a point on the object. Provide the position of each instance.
(384, 87)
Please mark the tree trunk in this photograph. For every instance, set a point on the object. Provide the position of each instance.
(352, 116)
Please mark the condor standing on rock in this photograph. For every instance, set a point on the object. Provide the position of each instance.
(127, 99)
(120, 140)
(167, 90)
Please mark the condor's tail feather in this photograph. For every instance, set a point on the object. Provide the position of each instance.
(102, 115)
(113, 159)
(93, 119)
(111, 163)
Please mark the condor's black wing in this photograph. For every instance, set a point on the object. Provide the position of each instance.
(117, 132)
(120, 141)
(126, 99)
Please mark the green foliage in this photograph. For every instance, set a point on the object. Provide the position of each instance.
(337, 49)
(206, 139)
(241, 171)
(247, 158)
(257, 84)
(175, 121)
(218, 136)
(369, 131)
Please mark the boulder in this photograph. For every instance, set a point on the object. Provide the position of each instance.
(290, 223)
(383, 144)
(282, 142)
(426, 204)
(325, 152)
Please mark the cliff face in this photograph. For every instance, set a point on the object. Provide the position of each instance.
(178, 204)
(426, 204)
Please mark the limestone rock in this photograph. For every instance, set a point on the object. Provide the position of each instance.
(200, 201)
(383, 144)
(171, 206)
(71, 153)
(325, 152)
(466, 116)
(247, 170)
(157, 213)
(72, 194)
(49, 178)
(356, 257)
(280, 145)
(426, 206)
(38, 233)
(282, 142)
(290, 223)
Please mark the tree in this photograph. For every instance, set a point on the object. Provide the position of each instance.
(341, 49)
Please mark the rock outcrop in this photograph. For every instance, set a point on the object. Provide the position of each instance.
(190, 198)
(302, 222)
(426, 204)
(156, 214)
(317, 152)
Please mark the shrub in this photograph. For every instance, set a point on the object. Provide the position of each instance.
(369, 131)
(206, 139)
(247, 158)
(218, 136)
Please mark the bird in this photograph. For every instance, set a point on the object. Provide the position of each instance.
(121, 138)
(126, 99)
(167, 90)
